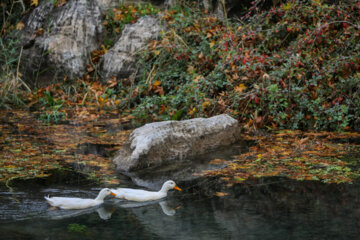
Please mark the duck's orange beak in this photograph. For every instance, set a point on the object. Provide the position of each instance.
(113, 194)
(177, 188)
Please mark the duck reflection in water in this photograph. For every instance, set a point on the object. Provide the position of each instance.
(164, 204)
(105, 212)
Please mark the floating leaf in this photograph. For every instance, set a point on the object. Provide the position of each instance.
(221, 194)
(218, 161)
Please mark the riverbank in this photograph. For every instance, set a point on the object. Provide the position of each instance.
(32, 149)
(287, 66)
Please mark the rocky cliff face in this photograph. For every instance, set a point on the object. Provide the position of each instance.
(57, 41)
(120, 60)
(62, 38)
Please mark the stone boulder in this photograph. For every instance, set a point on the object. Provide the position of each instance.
(57, 41)
(120, 60)
(60, 39)
(105, 5)
(170, 142)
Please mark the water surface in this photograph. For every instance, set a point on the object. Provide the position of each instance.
(270, 208)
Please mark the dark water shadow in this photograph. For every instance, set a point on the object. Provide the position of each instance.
(269, 208)
(187, 170)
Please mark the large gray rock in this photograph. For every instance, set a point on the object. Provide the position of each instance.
(163, 143)
(57, 41)
(105, 5)
(70, 33)
(120, 60)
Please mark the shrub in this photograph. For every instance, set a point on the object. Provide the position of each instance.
(292, 66)
(11, 84)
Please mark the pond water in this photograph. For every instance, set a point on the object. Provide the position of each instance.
(264, 208)
(271, 208)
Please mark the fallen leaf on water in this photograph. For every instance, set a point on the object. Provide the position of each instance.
(218, 161)
(221, 194)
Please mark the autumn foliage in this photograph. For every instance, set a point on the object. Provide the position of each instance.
(321, 156)
(293, 66)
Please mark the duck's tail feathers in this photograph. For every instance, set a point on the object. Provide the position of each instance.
(48, 199)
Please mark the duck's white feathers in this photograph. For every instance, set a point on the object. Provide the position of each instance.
(140, 195)
(72, 203)
(78, 203)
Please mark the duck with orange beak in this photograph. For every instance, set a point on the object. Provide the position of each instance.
(140, 195)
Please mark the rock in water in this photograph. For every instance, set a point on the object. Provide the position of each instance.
(120, 60)
(167, 142)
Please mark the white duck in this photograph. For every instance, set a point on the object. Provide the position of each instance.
(139, 195)
(79, 203)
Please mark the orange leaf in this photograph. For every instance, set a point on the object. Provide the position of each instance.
(34, 2)
(303, 140)
(240, 88)
(157, 83)
(20, 26)
(192, 111)
(158, 90)
(156, 52)
(60, 3)
(206, 104)
(40, 31)
(197, 78)
(221, 194)
(218, 161)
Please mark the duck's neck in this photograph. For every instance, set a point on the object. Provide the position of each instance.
(101, 196)
(164, 189)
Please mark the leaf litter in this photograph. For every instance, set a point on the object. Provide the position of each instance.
(320, 156)
(32, 149)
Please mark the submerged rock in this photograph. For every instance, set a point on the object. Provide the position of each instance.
(120, 60)
(170, 142)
